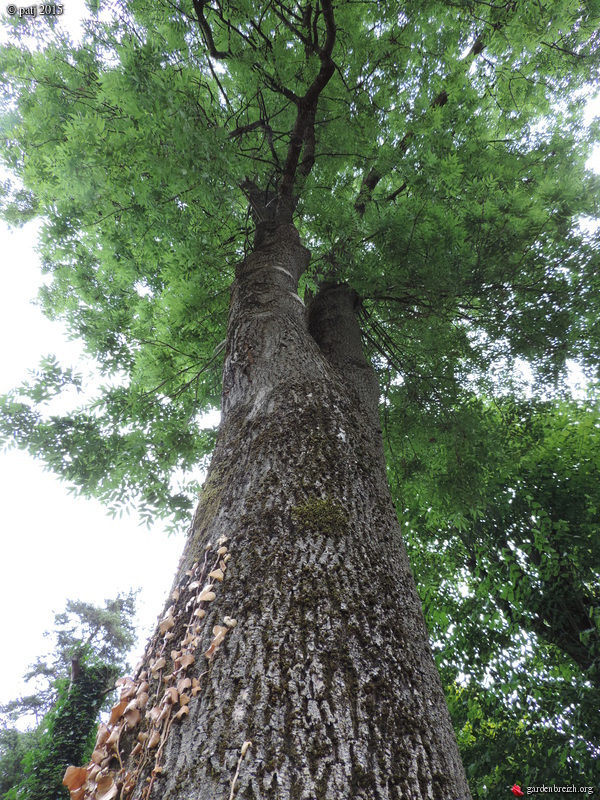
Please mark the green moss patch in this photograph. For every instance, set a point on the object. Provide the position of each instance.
(322, 516)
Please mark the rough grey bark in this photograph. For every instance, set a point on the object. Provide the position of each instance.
(328, 672)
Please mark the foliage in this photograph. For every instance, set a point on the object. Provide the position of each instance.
(73, 685)
(94, 634)
(67, 735)
(14, 745)
(505, 743)
(510, 580)
(433, 156)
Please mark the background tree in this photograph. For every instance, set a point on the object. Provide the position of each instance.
(14, 745)
(433, 159)
(72, 685)
(521, 621)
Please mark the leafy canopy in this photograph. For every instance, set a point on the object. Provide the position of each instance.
(442, 176)
(510, 584)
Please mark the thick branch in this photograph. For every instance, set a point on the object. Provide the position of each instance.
(242, 129)
(262, 203)
(293, 28)
(205, 28)
(308, 161)
(303, 132)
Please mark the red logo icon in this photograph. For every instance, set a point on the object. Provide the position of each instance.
(517, 791)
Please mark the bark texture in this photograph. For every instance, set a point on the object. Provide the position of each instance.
(328, 672)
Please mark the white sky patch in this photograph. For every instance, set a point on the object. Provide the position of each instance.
(55, 546)
(74, 14)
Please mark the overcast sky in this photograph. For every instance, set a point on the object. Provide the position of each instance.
(53, 545)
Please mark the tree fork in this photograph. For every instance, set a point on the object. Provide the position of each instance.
(294, 622)
(333, 324)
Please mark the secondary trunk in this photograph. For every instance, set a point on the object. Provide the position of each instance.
(328, 672)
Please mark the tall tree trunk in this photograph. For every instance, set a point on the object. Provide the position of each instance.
(328, 672)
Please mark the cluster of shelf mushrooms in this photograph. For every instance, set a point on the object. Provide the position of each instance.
(161, 693)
